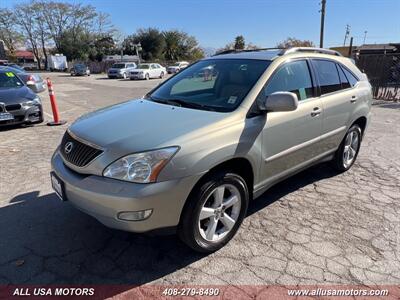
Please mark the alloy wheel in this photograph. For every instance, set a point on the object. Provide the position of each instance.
(219, 213)
(350, 148)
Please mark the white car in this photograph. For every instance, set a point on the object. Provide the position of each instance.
(175, 68)
(147, 71)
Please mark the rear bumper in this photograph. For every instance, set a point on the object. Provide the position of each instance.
(104, 198)
(38, 87)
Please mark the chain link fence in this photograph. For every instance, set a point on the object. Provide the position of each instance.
(383, 71)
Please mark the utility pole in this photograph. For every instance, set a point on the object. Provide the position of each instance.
(321, 35)
(351, 47)
(346, 34)
(365, 36)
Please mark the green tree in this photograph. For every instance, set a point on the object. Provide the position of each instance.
(173, 42)
(291, 42)
(152, 41)
(180, 45)
(239, 42)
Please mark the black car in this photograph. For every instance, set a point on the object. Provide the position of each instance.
(18, 103)
(80, 70)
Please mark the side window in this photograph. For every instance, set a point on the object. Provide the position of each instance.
(352, 79)
(328, 76)
(343, 80)
(292, 77)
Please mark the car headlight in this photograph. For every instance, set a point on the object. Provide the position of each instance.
(34, 101)
(141, 167)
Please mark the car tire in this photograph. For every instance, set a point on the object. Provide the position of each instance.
(348, 150)
(147, 77)
(161, 75)
(198, 233)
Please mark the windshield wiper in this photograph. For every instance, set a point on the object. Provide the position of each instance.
(183, 103)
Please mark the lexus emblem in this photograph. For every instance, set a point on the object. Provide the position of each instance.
(68, 147)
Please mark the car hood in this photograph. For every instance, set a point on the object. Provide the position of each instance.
(140, 70)
(16, 95)
(140, 125)
(173, 67)
(115, 69)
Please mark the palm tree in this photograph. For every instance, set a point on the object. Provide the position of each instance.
(172, 44)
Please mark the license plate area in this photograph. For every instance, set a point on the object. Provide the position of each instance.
(58, 186)
(6, 116)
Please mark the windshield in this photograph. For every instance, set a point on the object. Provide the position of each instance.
(176, 64)
(143, 66)
(16, 67)
(80, 67)
(118, 66)
(9, 80)
(213, 84)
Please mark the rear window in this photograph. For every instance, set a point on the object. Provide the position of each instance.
(9, 80)
(343, 79)
(352, 79)
(328, 76)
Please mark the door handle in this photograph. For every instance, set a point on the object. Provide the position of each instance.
(316, 111)
(353, 99)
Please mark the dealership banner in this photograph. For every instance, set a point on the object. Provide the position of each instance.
(200, 292)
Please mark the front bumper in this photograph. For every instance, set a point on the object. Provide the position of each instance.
(115, 75)
(136, 76)
(31, 114)
(104, 198)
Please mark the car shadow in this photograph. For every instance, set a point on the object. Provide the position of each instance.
(20, 126)
(290, 185)
(61, 245)
(391, 105)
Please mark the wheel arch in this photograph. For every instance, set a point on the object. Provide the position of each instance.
(362, 122)
(238, 165)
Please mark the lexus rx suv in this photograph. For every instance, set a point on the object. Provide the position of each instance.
(194, 151)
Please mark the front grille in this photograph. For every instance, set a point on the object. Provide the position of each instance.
(80, 154)
(13, 107)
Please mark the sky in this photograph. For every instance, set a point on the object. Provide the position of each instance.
(262, 22)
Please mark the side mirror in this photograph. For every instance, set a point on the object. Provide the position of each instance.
(281, 101)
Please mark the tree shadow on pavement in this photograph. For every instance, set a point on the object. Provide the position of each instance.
(46, 241)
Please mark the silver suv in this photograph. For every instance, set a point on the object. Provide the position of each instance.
(194, 151)
(121, 70)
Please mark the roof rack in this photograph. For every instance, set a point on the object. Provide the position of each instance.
(310, 49)
(246, 50)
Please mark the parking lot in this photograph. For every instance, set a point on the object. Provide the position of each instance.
(317, 227)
